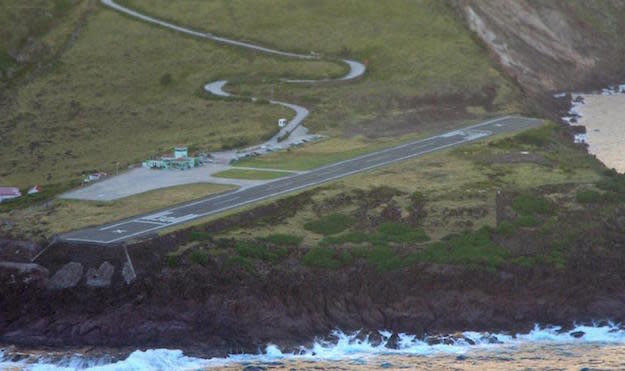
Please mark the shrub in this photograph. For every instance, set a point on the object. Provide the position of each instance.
(527, 221)
(284, 239)
(467, 248)
(529, 204)
(240, 261)
(399, 232)
(612, 183)
(172, 261)
(258, 251)
(321, 257)
(166, 79)
(199, 236)
(381, 256)
(330, 224)
(505, 228)
(200, 257)
(538, 137)
(588, 197)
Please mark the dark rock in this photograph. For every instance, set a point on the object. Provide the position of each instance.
(23, 275)
(490, 339)
(100, 277)
(577, 334)
(461, 357)
(18, 251)
(375, 338)
(66, 277)
(393, 341)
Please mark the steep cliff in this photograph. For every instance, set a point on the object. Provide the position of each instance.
(552, 45)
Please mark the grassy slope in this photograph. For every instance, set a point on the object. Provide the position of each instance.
(59, 215)
(420, 59)
(32, 30)
(459, 185)
(104, 102)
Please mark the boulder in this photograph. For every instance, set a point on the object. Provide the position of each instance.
(393, 341)
(68, 276)
(100, 277)
(23, 274)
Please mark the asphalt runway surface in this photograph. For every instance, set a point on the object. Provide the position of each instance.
(147, 224)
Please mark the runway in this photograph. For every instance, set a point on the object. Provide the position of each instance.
(147, 224)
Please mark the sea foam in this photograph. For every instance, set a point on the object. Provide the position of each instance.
(343, 347)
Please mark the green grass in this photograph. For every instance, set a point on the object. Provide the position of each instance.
(250, 174)
(254, 250)
(199, 236)
(398, 232)
(528, 204)
(467, 248)
(506, 228)
(527, 221)
(322, 257)
(200, 257)
(330, 224)
(306, 158)
(588, 197)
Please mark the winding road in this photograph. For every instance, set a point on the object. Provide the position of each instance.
(356, 69)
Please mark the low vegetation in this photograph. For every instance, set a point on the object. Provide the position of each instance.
(43, 219)
(330, 224)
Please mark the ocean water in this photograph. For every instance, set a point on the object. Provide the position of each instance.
(590, 347)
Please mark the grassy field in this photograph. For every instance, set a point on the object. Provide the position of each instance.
(250, 174)
(106, 101)
(59, 215)
(330, 150)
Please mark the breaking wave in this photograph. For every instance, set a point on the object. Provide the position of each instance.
(342, 347)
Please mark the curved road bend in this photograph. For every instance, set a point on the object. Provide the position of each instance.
(150, 223)
(356, 69)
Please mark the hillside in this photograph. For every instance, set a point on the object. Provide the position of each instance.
(102, 102)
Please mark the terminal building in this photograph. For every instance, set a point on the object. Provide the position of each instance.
(180, 161)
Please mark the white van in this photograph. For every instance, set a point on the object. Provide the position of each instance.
(282, 122)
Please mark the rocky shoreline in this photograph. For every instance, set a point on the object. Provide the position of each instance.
(212, 310)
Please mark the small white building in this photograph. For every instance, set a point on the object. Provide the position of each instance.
(282, 122)
(8, 193)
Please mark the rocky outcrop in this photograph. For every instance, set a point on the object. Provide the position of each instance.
(66, 277)
(24, 275)
(552, 45)
(100, 277)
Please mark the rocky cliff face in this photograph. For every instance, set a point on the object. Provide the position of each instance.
(552, 45)
(214, 309)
